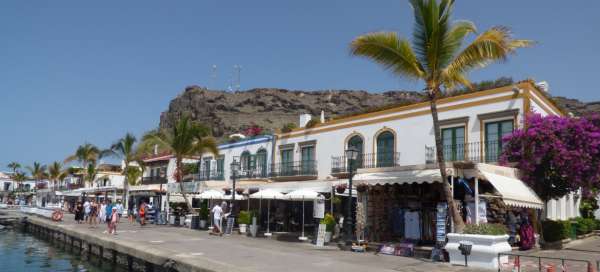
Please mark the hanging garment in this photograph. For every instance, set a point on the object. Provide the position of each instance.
(482, 212)
(412, 225)
(398, 221)
(527, 237)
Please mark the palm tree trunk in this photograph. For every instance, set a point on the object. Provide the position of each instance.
(453, 209)
(178, 176)
(126, 191)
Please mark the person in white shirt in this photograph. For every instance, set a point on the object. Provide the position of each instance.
(217, 212)
(86, 210)
(119, 207)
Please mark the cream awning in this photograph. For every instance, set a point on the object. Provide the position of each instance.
(514, 192)
(400, 177)
(319, 186)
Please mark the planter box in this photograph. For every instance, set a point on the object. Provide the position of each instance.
(555, 245)
(484, 253)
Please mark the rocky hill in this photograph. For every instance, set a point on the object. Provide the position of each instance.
(233, 112)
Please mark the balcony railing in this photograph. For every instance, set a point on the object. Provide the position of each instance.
(295, 168)
(256, 173)
(209, 175)
(154, 180)
(479, 152)
(339, 164)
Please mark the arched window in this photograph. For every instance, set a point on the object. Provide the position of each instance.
(261, 163)
(385, 149)
(357, 143)
(245, 161)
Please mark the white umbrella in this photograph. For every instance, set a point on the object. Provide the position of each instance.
(237, 197)
(211, 194)
(303, 195)
(268, 194)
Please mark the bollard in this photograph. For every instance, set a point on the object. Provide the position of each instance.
(517, 266)
(550, 268)
(590, 267)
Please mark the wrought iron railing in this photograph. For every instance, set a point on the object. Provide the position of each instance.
(340, 164)
(294, 168)
(480, 152)
(154, 180)
(209, 175)
(258, 172)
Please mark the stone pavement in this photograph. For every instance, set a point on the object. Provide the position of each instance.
(585, 250)
(240, 253)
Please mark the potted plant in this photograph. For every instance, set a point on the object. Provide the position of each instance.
(254, 226)
(341, 188)
(329, 222)
(362, 187)
(244, 221)
(487, 241)
(204, 213)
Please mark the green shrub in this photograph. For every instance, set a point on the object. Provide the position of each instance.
(597, 224)
(486, 229)
(311, 123)
(329, 222)
(204, 212)
(288, 127)
(556, 230)
(584, 225)
(244, 218)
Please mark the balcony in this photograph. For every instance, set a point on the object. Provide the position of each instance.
(296, 170)
(476, 152)
(154, 180)
(209, 175)
(339, 164)
(261, 172)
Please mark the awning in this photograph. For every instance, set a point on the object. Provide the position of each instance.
(177, 198)
(319, 186)
(145, 190)
(400, 177)
(303, 195)
(98, 189)
(514, 192)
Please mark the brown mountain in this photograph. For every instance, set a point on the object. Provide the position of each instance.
(270, 108)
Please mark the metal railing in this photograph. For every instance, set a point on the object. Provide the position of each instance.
(522, 262)
(294, 168)
(339, 164)
(480, 152)
(258, 172)
(209, 175)
(154, 180)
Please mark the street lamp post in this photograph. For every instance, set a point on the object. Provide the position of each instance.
(235, 167)
(351, 155)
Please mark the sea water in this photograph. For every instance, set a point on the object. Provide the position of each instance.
(20, 251)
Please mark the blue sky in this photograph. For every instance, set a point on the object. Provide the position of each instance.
(77, 71)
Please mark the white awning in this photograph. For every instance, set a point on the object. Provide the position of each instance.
(303, 195)
(514, 192)
(149, 187)
(177, 198)
(400, 177)
(267, 194)
(319, 186)
(211, 194)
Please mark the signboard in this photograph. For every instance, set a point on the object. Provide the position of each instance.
(319, 208)
(229, 227)
(321, 235)
(440, 222)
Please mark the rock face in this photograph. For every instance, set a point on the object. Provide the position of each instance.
(232, 112)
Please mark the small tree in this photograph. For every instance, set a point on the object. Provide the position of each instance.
(556, 155)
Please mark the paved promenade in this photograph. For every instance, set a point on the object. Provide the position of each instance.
(205, 252)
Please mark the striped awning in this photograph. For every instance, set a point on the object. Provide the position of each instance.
(400, 177)
(514, 192)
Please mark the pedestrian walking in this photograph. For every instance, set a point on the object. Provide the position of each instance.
(102, 212)
(78, 212)
(86, 210)
(131, 214)
(142, 214)
(93, 214)
(108, 214)
(217, 211)
(114, 220)
(120, 209)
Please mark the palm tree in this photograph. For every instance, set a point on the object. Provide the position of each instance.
(56, 173)
(90, 174)
(86, 154)
(38, 171)
(437, 57)
(125, 149)
(14, 166)
(19, 178)
(133, 175)
(184, 139)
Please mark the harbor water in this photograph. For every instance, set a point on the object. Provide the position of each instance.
(21, 251)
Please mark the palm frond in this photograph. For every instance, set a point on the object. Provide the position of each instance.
(493, 45)
(390, 51)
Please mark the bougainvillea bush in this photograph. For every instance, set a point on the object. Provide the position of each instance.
(556, 155)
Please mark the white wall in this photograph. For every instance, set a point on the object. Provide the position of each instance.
(564, 208)
(412, 133)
